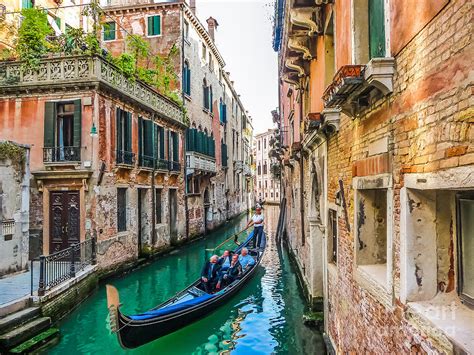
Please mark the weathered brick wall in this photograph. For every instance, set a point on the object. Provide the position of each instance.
(428, 120)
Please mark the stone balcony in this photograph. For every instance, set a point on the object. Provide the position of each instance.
(238, 165)
(197, 163)
(85, 71)
(247, 170)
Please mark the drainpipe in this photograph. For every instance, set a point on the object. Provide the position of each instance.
(186, 214)
(301, 169)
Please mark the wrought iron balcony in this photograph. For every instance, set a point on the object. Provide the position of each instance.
(174, 166)
(83, 70)
(125, 158)
(161, 164)
(199, 163)
(347, 79)
(61, 154)
(146, 161)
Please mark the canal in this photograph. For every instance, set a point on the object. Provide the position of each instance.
(263, 318)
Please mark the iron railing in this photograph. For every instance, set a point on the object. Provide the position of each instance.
(63, 265)
(174, 166)
(61, 154)
(125, 158)
(161, 164)
(146, 161)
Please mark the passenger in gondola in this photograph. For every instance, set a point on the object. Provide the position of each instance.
(210, 274)
(257, 222)
(233, 272)
(225, 260)
(246, 260)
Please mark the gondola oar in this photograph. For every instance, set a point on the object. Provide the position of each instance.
(235, 236)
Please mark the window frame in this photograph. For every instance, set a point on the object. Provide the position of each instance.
(158, 205)
(465, 299)
(333, 235)
(122, 218)
(114, 31)
(148, 35)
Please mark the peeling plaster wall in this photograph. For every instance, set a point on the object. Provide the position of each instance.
(14, 206)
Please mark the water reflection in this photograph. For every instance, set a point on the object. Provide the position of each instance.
(263, 318)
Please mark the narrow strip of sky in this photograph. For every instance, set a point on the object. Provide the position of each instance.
(244, 38)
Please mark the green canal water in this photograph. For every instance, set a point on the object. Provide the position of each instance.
(265, 317)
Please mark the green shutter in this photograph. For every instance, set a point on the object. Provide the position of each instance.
(210, 99)
(26, 4)
(77, 123)
(109, 31)
(162, 143)
(150, 26)
(188, 83)
(128, 137)
(376, 29)
(49, 124)
(118, 114)
(175, 146)
(148, 137)
(140, 137)
(156, 25)
(58, 22)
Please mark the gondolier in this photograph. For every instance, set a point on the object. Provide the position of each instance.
(257, 222)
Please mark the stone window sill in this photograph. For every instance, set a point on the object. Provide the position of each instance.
(446, 313)
(187, 97)
(373, 278)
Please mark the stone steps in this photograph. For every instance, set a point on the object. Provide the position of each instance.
(41, 340)
(16, 319)
(24, 332)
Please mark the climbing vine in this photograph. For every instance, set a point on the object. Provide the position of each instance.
(14, 153)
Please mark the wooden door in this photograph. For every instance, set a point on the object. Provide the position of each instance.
(64, 220)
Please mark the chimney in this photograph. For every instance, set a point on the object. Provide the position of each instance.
(192, 5)
(212, 27)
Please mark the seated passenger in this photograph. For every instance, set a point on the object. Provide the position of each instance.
(224, 260)
(210, 274)
(232, 273)
(245, 260)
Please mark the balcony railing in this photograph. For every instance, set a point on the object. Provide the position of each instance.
(125, 158)
(61, 154)
(87, 70)
(198, 141)
(247, 170)
(174, 166)
(238, 165)
(196, 162)
(347, 79)
(146, 161)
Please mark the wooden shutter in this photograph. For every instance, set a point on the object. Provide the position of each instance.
(77, 123)
(155, 140)
(150, 26)
(140, 136)
(175, 146)
(162, 143)
(49, 124)
(188, 81)
(118, 116)
(156, 25)
(128, 132)
(148, 137)
(376, 28)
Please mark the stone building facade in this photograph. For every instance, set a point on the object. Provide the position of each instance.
(218, 154)
(14, 206)
(267, 186)
(97, 140)
(382, 172)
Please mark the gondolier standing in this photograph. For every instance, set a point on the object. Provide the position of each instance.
(257, 222)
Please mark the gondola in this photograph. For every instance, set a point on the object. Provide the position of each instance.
(186, 307)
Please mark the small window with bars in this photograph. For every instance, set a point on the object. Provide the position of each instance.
(154, 26)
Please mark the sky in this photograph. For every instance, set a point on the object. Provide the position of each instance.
(244, 38)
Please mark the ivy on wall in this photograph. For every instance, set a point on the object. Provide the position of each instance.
(14, 153)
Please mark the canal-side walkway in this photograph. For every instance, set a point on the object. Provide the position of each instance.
(16, 286)
(265, 317)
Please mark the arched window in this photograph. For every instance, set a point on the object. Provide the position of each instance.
(187, 78)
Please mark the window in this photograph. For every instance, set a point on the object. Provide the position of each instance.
(147, 150)
(174, 147)
(266, 194)
(465, 236)
(121, 209)
(271, 194)
(204, 52)
(211, 62)
(57, 20)
(222, 111)
(332, 236)
(259, 184)
(158, 203)
(371, 232)
(27, 4)
(110, 32)
(154, 25)
(258, 145)
(265, 167)
(62, 131)
(206, 95)
(266, 184)
(264, 143)
(210, 98)
(124, 137)
(186, 29)
(186, 78)
(193, 185)
(376, 28)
